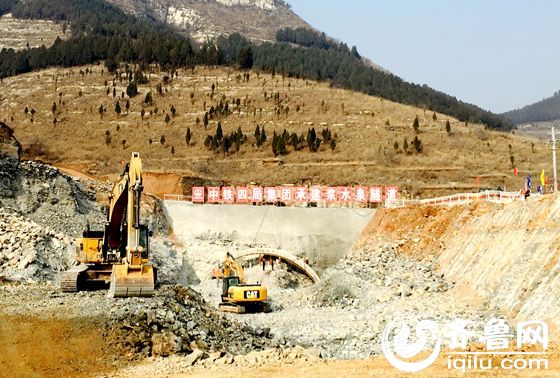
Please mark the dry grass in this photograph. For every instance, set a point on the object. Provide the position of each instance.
(19, 34)
(365, 151)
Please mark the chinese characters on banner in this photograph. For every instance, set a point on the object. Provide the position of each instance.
(294, 194)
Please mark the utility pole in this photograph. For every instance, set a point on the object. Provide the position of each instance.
(554, 160)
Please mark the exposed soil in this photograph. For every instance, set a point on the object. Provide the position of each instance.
(54, 347)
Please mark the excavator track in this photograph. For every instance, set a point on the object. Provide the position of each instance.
(69, 281)
(231, 307)
(72, 279)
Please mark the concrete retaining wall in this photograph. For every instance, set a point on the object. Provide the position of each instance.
(321, 234)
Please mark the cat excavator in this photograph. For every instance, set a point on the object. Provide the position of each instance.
(238, 296)
(119, 255)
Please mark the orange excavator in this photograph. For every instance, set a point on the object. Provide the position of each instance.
(119, 255)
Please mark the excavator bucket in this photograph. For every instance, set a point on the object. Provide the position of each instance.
(127, 281)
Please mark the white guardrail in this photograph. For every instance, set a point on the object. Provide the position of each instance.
(495, 196)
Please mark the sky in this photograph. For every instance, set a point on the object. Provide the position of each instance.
(497, 54)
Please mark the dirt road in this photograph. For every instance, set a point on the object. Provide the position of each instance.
(374, 367)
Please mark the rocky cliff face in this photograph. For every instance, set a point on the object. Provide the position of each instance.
(207, 19)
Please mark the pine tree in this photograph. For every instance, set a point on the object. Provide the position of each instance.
(333, 144)
(416, 124)
(214, 143)
(148, 100)
(281, 145)
(131, 89)
(219, 133)
(274, 143)
(162, 140)
(188, 136)
(417, 144)
(405, 145)
(448, 127)
(118, 108)
(205, 120)
(257, 133)
(263, 136)
(167, 118)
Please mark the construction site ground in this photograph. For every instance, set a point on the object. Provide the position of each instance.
(55, 339)
(473, 261)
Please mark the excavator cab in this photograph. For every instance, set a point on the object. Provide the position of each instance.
(227, 282)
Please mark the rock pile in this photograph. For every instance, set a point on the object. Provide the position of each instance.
(50, 198)
(178, 320)
(376, 275)
(29, 251)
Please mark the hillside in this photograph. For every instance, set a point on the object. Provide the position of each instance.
(102, 32)
(20, 34)
(203, 20)
(545, 110)
(370, 132)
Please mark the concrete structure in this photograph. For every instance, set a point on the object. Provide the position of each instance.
(285, 256)
(322, 235)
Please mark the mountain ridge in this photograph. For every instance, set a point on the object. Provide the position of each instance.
(203, 20)
(547, 109)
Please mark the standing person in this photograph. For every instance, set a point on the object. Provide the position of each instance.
(261, 261)
(271, 262)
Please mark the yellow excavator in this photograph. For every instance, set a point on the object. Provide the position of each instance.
(119, 255)
(238, 296)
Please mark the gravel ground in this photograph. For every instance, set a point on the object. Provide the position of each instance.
(345, 314)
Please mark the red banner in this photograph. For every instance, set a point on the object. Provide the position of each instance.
(213, 194)
(343, 195)
(270, 194)
(286, 194)
(227, 194)
(331, 194)
(242, 194)
(391, 193)
(302, 194)
(198, 194)
(257, 194)
(360, 194)
(376, 194)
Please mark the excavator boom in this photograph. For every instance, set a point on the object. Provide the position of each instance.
(117, 256)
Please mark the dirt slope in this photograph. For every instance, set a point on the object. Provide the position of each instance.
(504, 255)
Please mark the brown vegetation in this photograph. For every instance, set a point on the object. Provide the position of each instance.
(376, 141)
